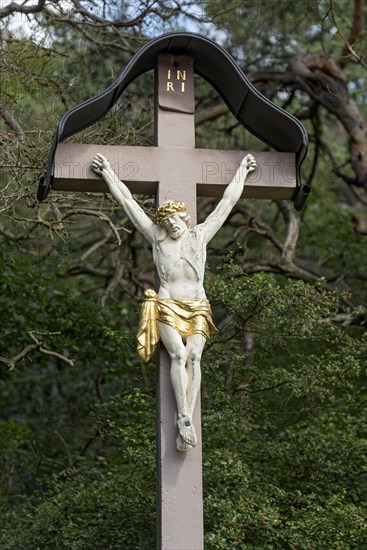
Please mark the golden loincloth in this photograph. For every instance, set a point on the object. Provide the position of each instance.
(186, 315)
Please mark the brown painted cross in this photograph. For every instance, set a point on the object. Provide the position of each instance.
(174, 169)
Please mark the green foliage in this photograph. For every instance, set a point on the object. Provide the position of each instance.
(65, 314)
(284, 381)
(107, 503)
(284, 446)
(287, 468)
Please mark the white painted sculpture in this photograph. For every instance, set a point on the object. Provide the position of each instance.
(179, 315)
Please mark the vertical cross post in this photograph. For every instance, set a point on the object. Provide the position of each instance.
(180, 500)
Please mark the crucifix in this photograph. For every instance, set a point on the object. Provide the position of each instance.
(177, 173)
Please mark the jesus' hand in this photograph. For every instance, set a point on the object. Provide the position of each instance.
(248, 165)
(100, 163)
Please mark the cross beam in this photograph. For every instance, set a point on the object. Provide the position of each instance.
(142, 168)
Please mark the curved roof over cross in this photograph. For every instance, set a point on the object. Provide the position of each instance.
(268, 122)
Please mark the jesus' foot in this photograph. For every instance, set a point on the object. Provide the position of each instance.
(181, 445)
(186, 430)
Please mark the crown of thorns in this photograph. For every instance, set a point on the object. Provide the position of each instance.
(169, 208)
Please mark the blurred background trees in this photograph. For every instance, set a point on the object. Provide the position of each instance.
(284, 382)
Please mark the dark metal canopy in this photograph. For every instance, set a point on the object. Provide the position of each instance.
(271, 124)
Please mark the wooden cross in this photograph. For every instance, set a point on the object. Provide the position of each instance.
(174, 169)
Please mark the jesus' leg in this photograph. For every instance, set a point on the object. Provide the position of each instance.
(194, 348)
(177, 351)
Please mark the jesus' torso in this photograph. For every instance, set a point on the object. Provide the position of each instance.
(180, 264)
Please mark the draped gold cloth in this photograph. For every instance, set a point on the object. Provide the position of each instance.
(186, 315)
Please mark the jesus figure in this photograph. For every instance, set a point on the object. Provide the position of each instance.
(180, 314)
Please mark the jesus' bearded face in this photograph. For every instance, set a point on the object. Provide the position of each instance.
(174, 225)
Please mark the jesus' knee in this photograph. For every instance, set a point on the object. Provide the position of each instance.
(194, 358)
(178, 356)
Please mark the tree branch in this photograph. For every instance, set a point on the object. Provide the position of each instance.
(357, 317)
(244, 387)
(97, 214)
(113, 282)
(37, 346)
(211, 114)
(13, 236)
(11, 122)
(355, 31)
(324, 81)
(11, 363)
(16, 8)
(79, 26)
(292, 231)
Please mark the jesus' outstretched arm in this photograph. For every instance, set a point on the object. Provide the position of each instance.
(122, 194)
(231, 195)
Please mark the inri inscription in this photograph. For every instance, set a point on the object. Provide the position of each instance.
(176, 83)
